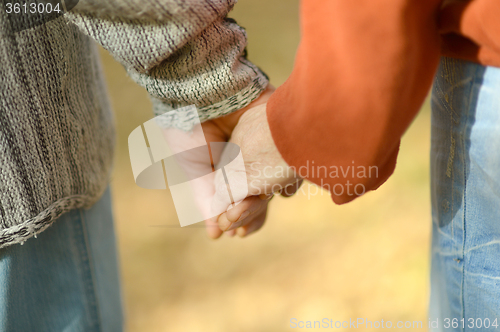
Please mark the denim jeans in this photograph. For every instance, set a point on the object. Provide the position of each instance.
(465, 190)
(66, 279)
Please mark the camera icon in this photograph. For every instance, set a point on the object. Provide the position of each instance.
(162, 155)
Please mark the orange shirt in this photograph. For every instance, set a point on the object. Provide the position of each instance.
(362, 71)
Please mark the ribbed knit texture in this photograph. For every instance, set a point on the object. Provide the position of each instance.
(56, 127)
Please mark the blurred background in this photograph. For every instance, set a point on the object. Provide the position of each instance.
(311, 260)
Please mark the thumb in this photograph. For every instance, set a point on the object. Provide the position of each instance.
(230, 187)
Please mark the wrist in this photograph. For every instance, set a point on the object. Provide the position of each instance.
(227, 123)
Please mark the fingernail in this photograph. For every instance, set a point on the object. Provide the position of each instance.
(225, 224)
(266, 197)
(235, 224)
(243, 216)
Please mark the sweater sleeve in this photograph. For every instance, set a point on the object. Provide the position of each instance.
(362, 72)
(182, 52)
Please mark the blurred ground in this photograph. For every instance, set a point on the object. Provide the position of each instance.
(312, 259)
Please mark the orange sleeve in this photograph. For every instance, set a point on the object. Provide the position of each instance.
(362, 72)
(471, 30)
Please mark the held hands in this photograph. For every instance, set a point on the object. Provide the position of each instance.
(193, 161)
(266, 173)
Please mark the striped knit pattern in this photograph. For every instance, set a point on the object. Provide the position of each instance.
(56, 127)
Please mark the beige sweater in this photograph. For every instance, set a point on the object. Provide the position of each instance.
(56, 127)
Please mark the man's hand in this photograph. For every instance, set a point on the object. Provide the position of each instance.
(266, 173)
(223, 127)
(193, 161)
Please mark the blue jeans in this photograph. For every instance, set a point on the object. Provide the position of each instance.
(66, 279)
(465, 185)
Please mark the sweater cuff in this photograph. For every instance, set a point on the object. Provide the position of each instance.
(176, 116)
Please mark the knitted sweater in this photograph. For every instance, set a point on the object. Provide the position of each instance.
(56, 127)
